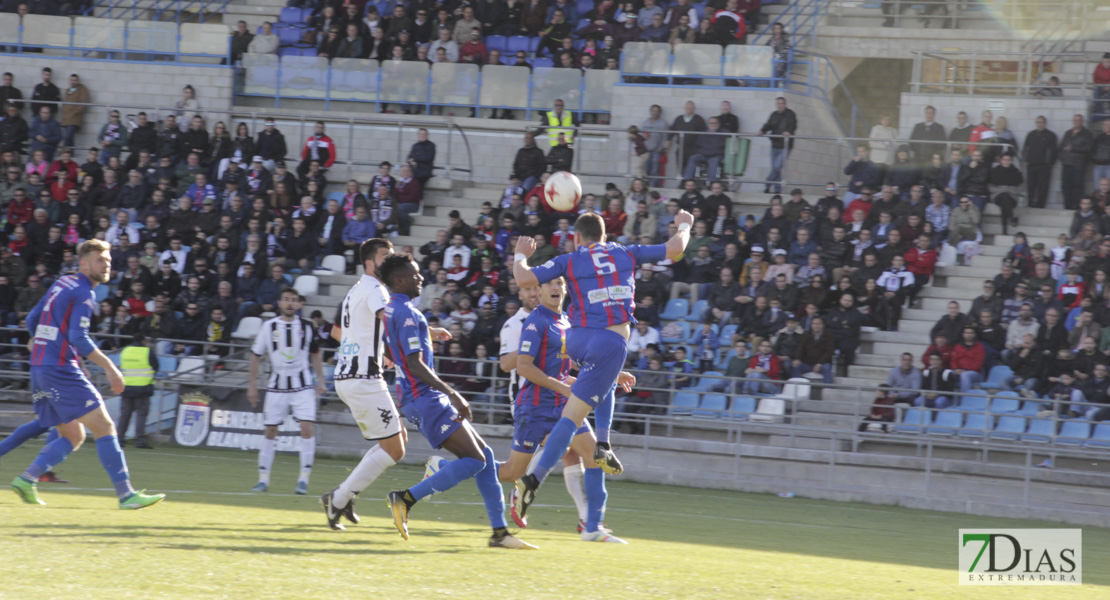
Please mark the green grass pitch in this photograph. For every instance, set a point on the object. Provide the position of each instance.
(213, 539)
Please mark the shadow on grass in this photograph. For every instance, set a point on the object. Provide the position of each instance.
(730, 520)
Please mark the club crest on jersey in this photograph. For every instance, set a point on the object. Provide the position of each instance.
(192, 419)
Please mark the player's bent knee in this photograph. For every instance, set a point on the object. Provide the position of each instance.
(576, 410)
(308, 430)
(394, 447)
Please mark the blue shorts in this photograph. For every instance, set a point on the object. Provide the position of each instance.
(600, 354)
(62, 395)
(533, 423)
(434, 416)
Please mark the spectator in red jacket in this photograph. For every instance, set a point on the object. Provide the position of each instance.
(729, 23)
(474, 51)
(65, 163)
(615, 219)
(317, 147)
(764, 369)
(921, 260)
(941, 346)
(982, 132)
(862, 203)
(1102, 81)
(1072, 291)
(968, 358)
(882, 409)
(21, 209)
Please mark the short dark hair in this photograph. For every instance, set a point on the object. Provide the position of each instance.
(392, 267)
(289, 290)
(370, 247)
(590, 227)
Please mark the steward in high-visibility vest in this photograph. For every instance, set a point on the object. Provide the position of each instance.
(557, 121)
(138, 364)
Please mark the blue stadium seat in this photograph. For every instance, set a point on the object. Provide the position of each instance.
(542, 62)
(167, 364)
(674, 311)
(1101, 436)
(101, 292)
(518, 43)
(699, 9)
(337, 196)
(1040, 430)
(946, 422)
(289, 51)
(288, 35)
(970, 403)
(581, 23)
(583, 7)
(712, 406)
(1005, 402)
(708, 380)
(1074, 433)
(684, 403)
(579, 43)
(678, 340)
(293, 16)
(1030, 408)
(496, 42)
(696, 311)
(534, 44)
(742, 406)
(726, 333)
(1009, 428)
(974, 426)
(913, 421)
(723, 356)
(997, 375)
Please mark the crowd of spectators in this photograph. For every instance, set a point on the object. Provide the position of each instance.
(206, 225)
(570, 34)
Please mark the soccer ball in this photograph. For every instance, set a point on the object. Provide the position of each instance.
(563, 191)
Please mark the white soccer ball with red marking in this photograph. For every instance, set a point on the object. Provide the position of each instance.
(563, 191)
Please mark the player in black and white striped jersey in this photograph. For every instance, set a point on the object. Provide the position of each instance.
(359, 365)
(296, 379)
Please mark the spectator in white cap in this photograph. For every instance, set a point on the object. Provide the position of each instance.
(755, 260)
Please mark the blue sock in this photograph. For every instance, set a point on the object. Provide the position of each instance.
(556, 446)
(596, 495)
(492, 493)
(450, 474)
(53, 435)
(111, 457)
(23, 433)
(51, 456)
(603, 415)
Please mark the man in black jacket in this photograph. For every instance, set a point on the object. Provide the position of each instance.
(142, 138)
(687, 123)
(270, 145)
(781, 125)
(14, 131)
(9, 94)
(843, 322)
(560, 157)
(925, 132)
(938, 383)
(951, 324)
(708, 148)
(169, 141)
(1039, 154)
(529, 163)
(1075, 153)
(45, 94)
(422, 157)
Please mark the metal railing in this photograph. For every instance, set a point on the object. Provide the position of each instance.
(964, 72)
(800, 19)
(161, 10)
(1024, 15)
(116, 40)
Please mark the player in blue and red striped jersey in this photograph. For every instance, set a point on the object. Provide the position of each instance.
(437, 409)
(601, 276)
(543, 362)
(63, 395)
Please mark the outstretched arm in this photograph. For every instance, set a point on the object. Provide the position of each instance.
(525, 247)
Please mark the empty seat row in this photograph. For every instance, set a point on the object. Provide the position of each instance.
(1071, 432)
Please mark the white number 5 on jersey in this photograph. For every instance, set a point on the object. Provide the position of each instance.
(603, 264)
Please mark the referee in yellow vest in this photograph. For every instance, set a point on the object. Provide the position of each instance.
(138, 365)
(557, 121)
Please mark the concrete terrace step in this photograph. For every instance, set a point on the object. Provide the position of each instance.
(876, 360)
(1041, 231)
(897, 348)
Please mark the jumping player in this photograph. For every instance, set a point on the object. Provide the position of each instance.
(64, 397)
(292, 346)
(440, 412)
(601, 277)
(545, 369)
(359, 383)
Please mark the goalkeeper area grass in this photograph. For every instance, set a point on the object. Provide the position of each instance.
(212, 538)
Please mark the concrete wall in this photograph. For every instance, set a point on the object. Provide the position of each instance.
(123, 84)
(1019, 112)
(879, 42)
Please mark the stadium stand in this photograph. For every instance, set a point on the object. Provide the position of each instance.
(841, 279)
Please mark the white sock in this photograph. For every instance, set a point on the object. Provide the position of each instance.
(308, 454)
(372, 465)
(535, 461)
(573, 476)
(266, 460)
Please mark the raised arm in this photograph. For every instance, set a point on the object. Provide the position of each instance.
(525, 247)
(677, 244)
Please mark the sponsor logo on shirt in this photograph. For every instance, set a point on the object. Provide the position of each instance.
(531, 327)
(409, 323)
(46, 332)
(525, 346)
